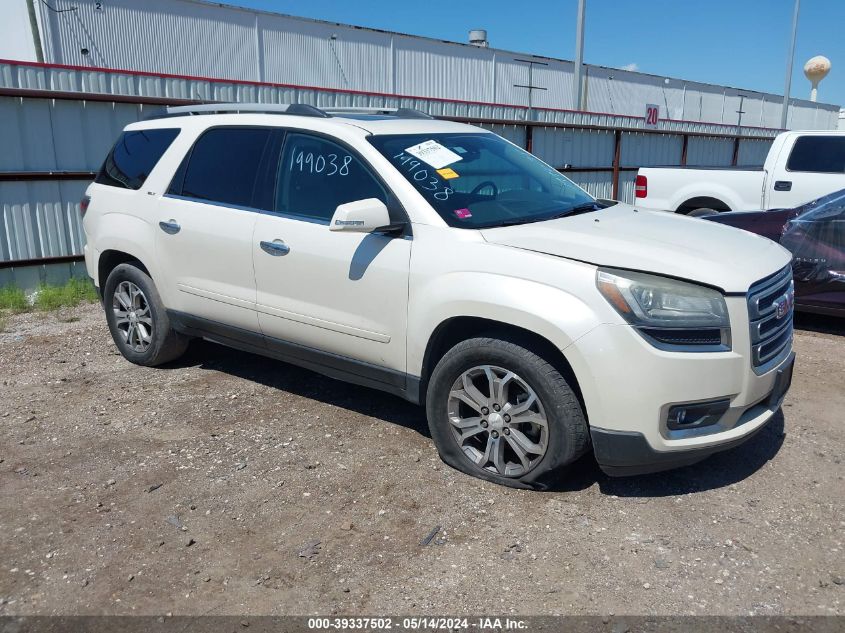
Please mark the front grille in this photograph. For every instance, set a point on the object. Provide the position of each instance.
(771, 334)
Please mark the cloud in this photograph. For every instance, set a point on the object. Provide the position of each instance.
(632, 66)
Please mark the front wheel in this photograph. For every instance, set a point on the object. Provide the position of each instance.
(502, 412)
(138, 319)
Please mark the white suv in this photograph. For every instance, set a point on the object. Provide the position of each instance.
(439, 262)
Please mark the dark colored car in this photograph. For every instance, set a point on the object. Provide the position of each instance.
(815, 235)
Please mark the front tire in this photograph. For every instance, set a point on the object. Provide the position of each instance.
(500, 411)
(138, 320)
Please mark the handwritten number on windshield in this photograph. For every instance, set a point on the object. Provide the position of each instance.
(422, 177)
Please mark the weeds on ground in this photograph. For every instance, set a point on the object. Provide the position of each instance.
(70, 295)
(49, 298)
(13, 299)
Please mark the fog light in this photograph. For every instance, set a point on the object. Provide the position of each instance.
(696, 414)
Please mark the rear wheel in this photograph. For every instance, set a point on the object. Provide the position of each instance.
(138, 319)
(501, 412)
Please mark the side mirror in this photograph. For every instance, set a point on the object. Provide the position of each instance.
(361, 216)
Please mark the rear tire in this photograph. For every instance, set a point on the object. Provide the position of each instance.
(499, 411)
(138, 320)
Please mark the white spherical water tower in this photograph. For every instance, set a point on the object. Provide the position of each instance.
(815, 70)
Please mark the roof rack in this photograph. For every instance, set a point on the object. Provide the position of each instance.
(299, 109)
(400, 113)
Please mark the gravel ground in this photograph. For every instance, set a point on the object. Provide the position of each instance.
(232, 484)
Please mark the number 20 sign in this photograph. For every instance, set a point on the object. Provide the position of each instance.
(652, 115)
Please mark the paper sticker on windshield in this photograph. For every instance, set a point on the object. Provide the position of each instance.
(448, 173)
(462, 214)
(434, 154)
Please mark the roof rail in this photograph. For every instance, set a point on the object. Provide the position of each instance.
(300, 109)
(401, 113)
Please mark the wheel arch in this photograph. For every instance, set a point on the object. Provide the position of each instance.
(453, 330)
(111, 259)
(702, 202)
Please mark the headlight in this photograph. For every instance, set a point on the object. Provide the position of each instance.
(671, 314)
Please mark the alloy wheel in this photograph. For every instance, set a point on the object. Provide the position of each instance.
(498, 420)
(132, 316)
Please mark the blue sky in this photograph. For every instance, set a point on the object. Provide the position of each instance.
(739, 43)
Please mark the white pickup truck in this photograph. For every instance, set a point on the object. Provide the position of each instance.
(800, 166)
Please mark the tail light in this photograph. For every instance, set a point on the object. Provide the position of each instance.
(83, 205)
(641, 187)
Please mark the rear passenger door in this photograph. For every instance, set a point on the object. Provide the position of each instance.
(337, 292)
(206, 221)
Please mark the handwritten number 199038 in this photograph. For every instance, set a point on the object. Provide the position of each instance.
(328, 165)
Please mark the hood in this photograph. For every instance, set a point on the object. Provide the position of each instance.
(652, 241)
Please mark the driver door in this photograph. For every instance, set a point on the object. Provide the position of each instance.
(342, 295)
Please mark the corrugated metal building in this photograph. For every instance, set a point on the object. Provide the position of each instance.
(61, 108)
(190, 37)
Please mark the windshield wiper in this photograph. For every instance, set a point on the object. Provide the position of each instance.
(576, 210)
(587, 207)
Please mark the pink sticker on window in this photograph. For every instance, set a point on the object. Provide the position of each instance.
(463, 214)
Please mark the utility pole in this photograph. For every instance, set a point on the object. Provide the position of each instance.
(789, 60)
(579, 56)
(739, 113)
(529, 116)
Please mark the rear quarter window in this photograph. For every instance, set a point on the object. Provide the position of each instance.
(134, 156)
(819, 154)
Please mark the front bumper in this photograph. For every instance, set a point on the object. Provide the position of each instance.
(625, 453)
(628, 386)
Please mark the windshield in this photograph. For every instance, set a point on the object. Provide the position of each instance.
(831, 200)
(479, 180)
(816, 238)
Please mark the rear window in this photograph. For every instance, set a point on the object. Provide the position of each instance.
(133, 157)
(223, 166)
(820, 154)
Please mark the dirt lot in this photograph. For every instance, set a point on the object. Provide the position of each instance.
(205, 487)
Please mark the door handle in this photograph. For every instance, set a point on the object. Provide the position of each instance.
(171, 227)
(783, 185)
(277, 248)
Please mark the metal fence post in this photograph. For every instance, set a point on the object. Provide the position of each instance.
(617, 152)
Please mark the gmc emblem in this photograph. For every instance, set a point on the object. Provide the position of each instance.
(783, 304)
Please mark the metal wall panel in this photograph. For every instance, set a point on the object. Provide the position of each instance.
(646, 150)
(304, 52)
(555, 79)
(578, 148)
(626, 187)
(47, 135)
(514, 133)
(709, 152)
(40, 219)
(154, 35)
(209, 40)
(753, 152)
(597, 183)
(435, 69)
(115, 82)
(16, 41)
